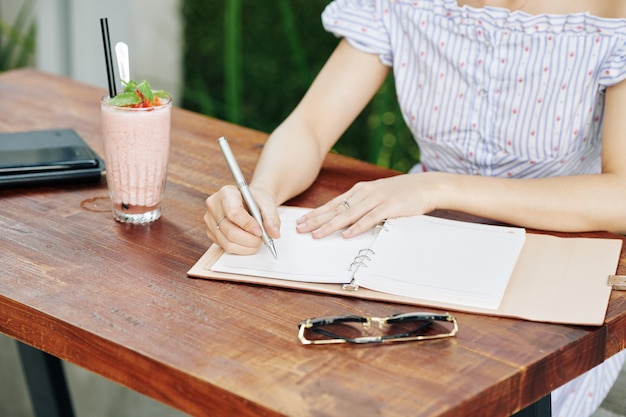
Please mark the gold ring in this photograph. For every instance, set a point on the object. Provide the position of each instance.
(346, 204)
(217, 225)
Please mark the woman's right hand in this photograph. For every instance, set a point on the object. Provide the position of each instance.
(231, 226)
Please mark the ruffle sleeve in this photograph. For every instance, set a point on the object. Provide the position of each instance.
(362, 24)
(614, 68)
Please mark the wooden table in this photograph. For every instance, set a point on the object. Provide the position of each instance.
(115, 299)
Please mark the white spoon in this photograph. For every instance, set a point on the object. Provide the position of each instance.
(121, 54)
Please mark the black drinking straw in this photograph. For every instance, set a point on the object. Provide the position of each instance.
(106, 41)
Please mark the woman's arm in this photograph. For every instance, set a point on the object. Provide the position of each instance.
(294, 153)
(568, 203)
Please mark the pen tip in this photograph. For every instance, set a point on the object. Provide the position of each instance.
(273, 250)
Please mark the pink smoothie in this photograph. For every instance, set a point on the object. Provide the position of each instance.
(136, 146)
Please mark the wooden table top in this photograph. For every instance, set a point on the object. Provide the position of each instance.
(115, 299)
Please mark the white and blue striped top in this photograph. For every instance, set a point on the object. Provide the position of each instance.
(487, 91)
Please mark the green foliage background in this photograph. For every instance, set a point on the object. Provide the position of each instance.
(17, 39)
(250, 62)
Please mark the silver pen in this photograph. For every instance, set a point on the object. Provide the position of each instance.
(245, 192)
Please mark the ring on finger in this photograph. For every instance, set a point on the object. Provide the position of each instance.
(346, 204)
(217, 225)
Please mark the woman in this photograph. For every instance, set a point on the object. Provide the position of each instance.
(516, 107)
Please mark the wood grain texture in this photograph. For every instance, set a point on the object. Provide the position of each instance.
(115, 299)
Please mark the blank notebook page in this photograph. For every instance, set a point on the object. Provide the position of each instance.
(443, 260)
(300, 257)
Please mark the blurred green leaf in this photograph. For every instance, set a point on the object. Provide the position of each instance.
(17, 40)
(250, 62)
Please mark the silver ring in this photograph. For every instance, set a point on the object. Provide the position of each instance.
(217, 225)
(346, 204)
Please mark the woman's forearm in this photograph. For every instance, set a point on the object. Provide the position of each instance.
(295, 151)
(568, 203)
(290, 161)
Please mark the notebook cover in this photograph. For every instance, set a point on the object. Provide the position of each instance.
(558, 280)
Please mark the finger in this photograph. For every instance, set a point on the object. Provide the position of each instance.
(314, 219)
(210, 224)
(229, 225)
(271, 222)
(219, 204)
(215, 212)
(244, 221)
(368, 221)
(233, 239)
(269, 212)
(233, 209)
(346, 214)
(338, 222)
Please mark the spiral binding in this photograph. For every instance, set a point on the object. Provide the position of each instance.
(361, 259)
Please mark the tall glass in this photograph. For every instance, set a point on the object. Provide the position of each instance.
(136, 148)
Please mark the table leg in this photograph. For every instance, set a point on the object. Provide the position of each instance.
(46, 383)
(542, 408)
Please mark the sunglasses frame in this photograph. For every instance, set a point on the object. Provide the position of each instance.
(429, 318)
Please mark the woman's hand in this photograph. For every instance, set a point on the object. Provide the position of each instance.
(230, 225)
(368, 203)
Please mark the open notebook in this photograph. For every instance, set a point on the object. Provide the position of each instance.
(440, 263)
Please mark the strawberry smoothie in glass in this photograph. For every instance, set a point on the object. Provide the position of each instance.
(136, 134)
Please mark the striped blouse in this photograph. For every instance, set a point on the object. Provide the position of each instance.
(487, 91)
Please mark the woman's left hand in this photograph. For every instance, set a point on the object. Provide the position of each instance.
(368, 203)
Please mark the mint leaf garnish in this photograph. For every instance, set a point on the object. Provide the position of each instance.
(130, 86)
(161, 94)
(135, 95)
(124, 99)
(145, 90)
